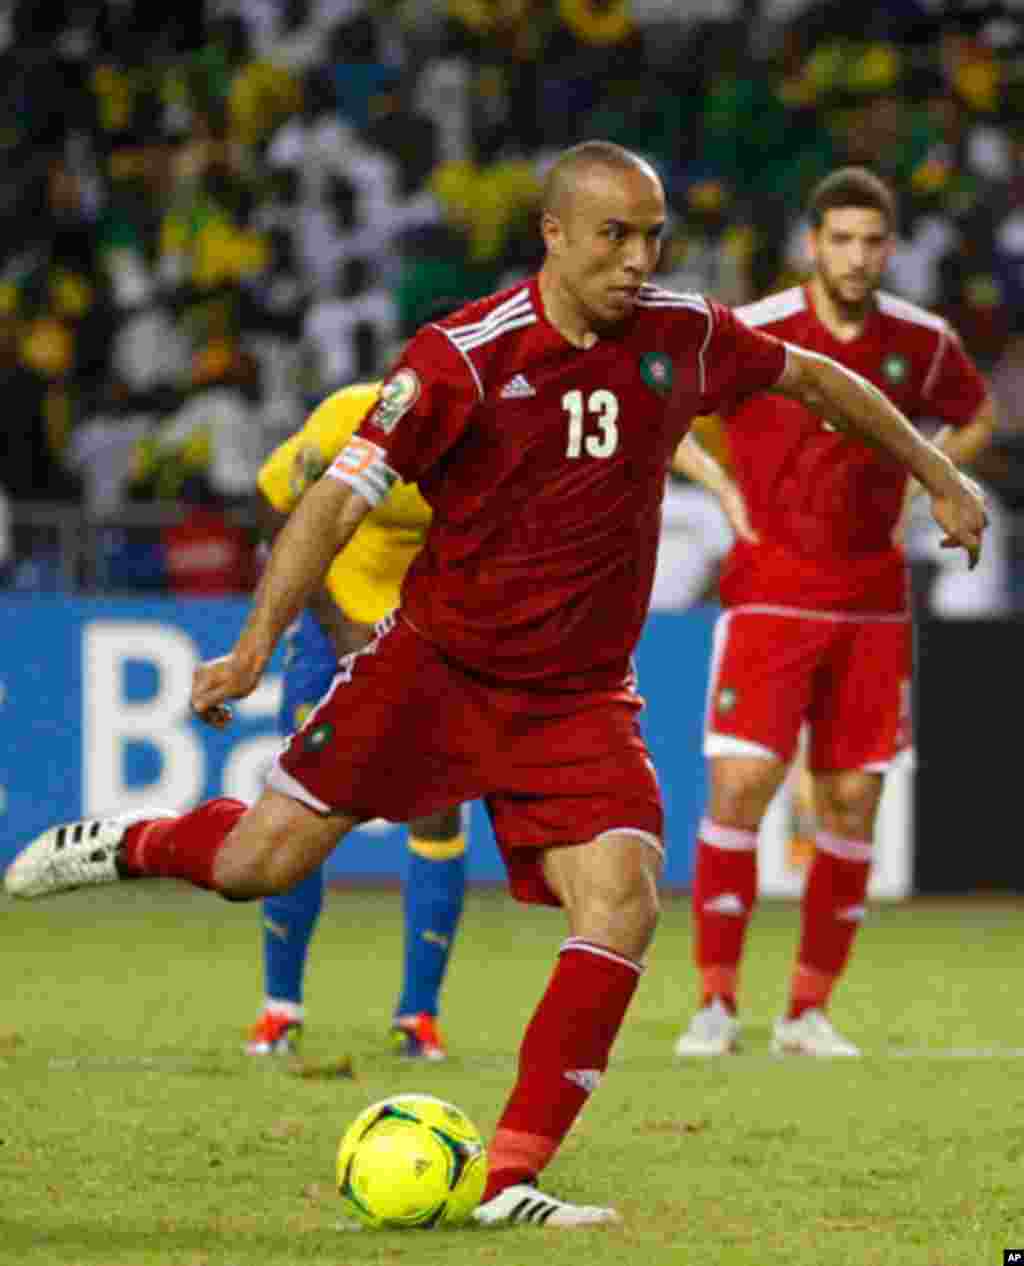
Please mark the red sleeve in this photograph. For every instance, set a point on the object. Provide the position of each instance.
(737, 361)
(953, 390)
(425, 405)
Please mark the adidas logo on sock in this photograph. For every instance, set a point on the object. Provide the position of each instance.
(517, 388)
(587, 1079)
(727, 903)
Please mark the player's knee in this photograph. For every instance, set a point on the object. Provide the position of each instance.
(848, 804)
(742, 789)
(852, 819)
(262, 857)
(625, 894)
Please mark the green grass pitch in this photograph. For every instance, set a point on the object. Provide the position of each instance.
(133, 1132)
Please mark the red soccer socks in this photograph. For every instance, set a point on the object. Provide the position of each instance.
(184, 847)
(562, 1058)
(724, 891)
(833, 908)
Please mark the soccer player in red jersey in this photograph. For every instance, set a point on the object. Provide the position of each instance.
(816, 627)
(539, 424)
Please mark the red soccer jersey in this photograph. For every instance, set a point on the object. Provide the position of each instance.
(825, 506)
(545, 466)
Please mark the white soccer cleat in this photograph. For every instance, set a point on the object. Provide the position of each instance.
(74, 855)
(523, 1205)
(714, 1030)
(811, 1034)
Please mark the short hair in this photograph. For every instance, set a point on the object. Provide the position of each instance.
(588, 154)
(852, 187)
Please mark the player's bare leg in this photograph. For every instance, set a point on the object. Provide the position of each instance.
(275, 845)
(833, 908)
(240, 852)
(724, 891)
(609, 890)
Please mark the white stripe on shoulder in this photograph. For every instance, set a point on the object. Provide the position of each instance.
(775, 307)
(904, 310)
(462, 332)
(495, 331)
(467, 333)
(506, 305)
(513, 305)
(472, 368)
(658, 297)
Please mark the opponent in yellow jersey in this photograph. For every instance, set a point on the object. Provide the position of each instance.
(365, 578)
(362, 587)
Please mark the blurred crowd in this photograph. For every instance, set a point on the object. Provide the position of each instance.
(215, 213)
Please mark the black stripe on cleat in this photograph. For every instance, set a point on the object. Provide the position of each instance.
(61, 837)
(94, 829)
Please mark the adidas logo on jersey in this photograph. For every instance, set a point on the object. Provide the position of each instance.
(517, 388)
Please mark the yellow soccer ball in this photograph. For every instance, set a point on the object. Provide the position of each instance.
(411, 1161)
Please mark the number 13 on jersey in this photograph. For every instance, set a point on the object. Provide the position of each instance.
(602, 410)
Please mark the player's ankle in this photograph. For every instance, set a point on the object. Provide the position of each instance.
(127, 859)
(499, 1179)
(799, 1006)
(124, 869)
(728, 1000)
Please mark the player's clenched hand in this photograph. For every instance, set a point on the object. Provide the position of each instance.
(961, 515)
(215, 682)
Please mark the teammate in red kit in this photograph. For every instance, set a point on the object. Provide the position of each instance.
(816, 626)
(538, 424)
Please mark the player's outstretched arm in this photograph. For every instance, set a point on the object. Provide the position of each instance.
(320, 525)
(346, 636)
(851, 404)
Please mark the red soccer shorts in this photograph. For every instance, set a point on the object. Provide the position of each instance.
(847, 677)
(404, 732)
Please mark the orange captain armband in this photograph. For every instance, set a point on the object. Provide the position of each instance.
(361, 465)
